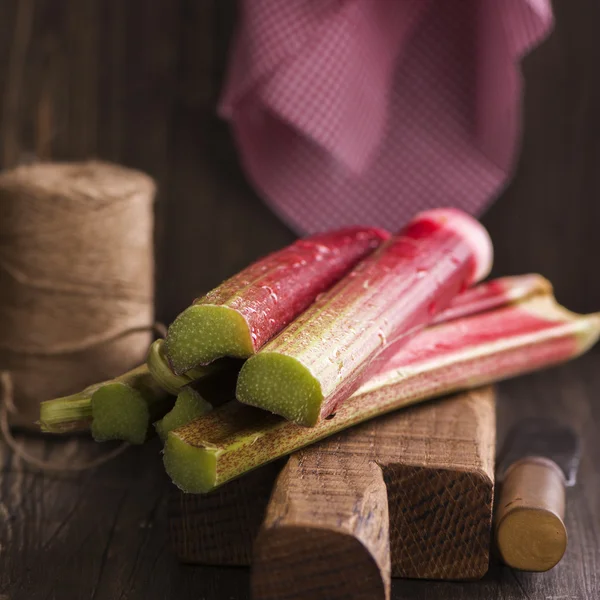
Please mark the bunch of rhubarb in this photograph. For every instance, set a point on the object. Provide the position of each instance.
(233, 320)
(242, 314)
(323, 356)
(123, 408)
(322, 335)
(515, 338)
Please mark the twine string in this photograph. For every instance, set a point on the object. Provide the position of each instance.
(76, 272)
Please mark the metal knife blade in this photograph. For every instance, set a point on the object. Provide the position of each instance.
(546, 438)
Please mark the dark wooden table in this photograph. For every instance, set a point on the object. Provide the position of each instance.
(102, 534)
(137, 82)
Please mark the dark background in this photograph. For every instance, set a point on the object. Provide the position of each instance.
(136, 82)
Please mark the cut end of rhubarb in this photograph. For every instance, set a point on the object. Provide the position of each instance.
(472, 231)
(189, 406)
(119, 413)
(204, 332)
(281, 385)
(192, 469)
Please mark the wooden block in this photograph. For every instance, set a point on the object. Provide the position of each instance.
(327, 521)
(219, 528)
(438, 467)
(325, 533)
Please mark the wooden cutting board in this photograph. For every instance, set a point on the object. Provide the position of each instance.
(407, 495)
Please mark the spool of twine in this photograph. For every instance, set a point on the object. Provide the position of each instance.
(76, 278)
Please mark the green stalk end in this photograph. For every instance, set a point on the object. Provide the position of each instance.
(204, 332)
(119, 413)
(67, 414)
(192, 469)
(282, 385)
(189, 406)
(125, 408)
(122, 408)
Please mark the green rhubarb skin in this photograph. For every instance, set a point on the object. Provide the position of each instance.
(74, 412)
(69, 413)
(321, 358)
(445, 358)
(118, 409)
(239, 316)
(159, 368)
(125, 408)
(189, 405)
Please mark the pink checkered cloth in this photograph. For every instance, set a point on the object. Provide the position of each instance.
(366, 111)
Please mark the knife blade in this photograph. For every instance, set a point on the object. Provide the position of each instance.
(539, 459)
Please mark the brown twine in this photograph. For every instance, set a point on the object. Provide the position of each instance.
(76, 281)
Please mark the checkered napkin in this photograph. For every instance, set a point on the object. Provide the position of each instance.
(366, 111)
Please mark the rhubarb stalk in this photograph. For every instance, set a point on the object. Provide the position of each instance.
(122, 408)
(445, 358)
(197, 398)
(189, 406)
(485, 296)
(217, 381)
(160, 369)
(321, 358)
(494, 294)
(125, 408)
(69, 413)
(243, 313)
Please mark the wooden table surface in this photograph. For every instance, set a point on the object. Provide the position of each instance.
(138, 85)
(102, 534)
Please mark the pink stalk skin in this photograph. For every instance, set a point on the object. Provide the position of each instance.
(370, 313)
(272, 291)
(497, 344)
(443, 359)
(493, 294)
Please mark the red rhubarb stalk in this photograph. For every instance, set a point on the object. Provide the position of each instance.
(322, 357)
(445, 358)
(485, 296)
(493, 294)
(238, 317)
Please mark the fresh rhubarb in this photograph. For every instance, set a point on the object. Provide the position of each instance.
(74, 412)
(485, 296)
(160, 369)
(197, 398)
(123, 408)
(445, 358)
(126, 410)
(243, 313)
(189, 406)
(69, 413)
(493, 294)
(322, 357)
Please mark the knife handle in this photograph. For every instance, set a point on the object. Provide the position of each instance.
(530, 531)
